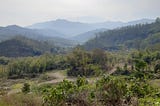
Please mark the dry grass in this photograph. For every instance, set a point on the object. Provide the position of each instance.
(21, 100)
(155, 83)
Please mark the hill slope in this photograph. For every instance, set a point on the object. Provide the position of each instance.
(126, 37)
(82, 38)
(21, 46)
(13, 30)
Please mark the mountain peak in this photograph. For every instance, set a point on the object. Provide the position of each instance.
(62, 20)
(15, 27)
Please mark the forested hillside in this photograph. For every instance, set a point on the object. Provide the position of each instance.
(84, 37)
(139, 36)
(20, 46)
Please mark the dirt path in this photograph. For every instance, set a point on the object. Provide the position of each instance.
(14, 91)
(112, 71)
(59, 76)
(115, 68)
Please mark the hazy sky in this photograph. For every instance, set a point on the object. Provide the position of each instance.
(26, 12)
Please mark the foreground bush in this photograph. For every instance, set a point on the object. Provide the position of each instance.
(26, 88)
(108, 91)
(111, 91)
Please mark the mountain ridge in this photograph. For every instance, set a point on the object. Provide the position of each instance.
(14, 30)
(70, 29)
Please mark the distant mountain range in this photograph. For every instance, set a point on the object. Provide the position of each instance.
(63, 33)
(68, 29)
(54, 36)
(65, 27)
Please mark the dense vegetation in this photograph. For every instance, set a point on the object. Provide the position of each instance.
(77, 63)
(139, 36)
(33, 66)
(83, 63)
(108, 91)
(128, 84)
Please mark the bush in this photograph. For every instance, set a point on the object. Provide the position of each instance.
(59, 94)
(141, 89)
(149, 101)
(4, 61)
(112, 91)
(26, 88)
(68, 92)
(81, 81)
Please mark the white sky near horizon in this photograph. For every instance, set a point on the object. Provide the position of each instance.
(27, 12)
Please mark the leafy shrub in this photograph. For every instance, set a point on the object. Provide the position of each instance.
(68, 92)
(4, 60)
(141, 89)
(149, 101)
(26, 88)
(112, 91)
(81, 81)
(59, 94)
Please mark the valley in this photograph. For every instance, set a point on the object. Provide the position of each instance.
(63, 63)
